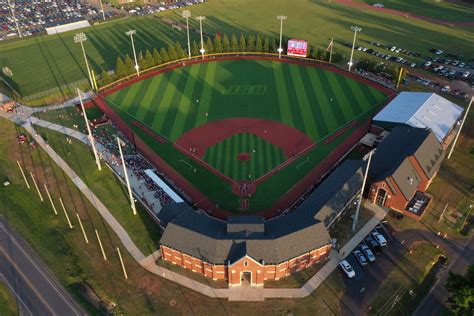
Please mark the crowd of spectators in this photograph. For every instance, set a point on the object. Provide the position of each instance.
(34, 16)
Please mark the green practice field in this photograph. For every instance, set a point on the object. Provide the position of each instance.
(315, 101)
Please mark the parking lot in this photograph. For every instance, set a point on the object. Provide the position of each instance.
(361, 288)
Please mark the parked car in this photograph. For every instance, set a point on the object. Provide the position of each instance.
(445, 89)
(373, 244)
(368, 253)
(379, 238)
(346, 267)
(360, 257)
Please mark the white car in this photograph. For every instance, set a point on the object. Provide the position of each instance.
(360, 257)
(466, 74)
(446, 89)
(368, 253)
(379, 238)
(346, 267)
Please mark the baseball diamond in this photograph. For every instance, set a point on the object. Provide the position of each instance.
(269, 124)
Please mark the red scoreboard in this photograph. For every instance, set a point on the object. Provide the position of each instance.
(297, 48)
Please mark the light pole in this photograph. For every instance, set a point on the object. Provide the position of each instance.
(460, 128)
(81, 38)
(187, 14)
(102, 9)
(14, 19)
(200, 19)
(125, 173)
(91, 138)
(131, 33)
(355, 29)
(281, 18)
(356, 215)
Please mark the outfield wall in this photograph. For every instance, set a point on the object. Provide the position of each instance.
(197, 198)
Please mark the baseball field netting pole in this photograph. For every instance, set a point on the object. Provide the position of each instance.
(100, 245)
(65, 213)
(23, 174)
(82, 228)
(122, 264)
(89, 132)
(356, 215)
(460, 128)
(36, 186)
(50, 199)
(127, 181)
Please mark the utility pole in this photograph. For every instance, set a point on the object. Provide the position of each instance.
(460, 128)
(200, 19)
(356, 216)
(281, 18)
(187, 14)
(355, 29)
(132, 200)
(89, 133)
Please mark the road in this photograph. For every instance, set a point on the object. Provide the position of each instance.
(36, 289)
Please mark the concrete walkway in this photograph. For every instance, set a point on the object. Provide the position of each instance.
(149, 263)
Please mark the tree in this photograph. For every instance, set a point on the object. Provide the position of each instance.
(209, 46)
(225, 43)
(266, 45)
(149, 62)
(259, 44)
(195, 49)
(179, 51)
(461, 287)
(164, 55)
(156, 57)
(251, 43)
(141, 61)
(234, 44)
(172, 53)
(336, 56)
(242, 43)
(218, 44)
(120, 69)
(104, 78)
(274, 46)
(129, 65)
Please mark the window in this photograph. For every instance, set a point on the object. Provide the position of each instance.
(246, 263)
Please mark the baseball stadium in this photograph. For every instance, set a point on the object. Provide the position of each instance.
(244, 134)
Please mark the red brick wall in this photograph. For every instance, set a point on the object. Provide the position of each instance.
(232, 273)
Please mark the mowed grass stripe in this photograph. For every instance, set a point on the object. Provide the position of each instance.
(196, 93)
(165, 103)
(133, 109)
(324, 102)
(335, 107)
(130, 95)
(210, 158)
(283, 100)
(155, 101)
(260, 154)
(243, 163)
(236, 142)
(148, 96)
(253, 170)
(303, 102)
(227, 156)
(220, 155)
(344, 102)
(359, 102)
(268, 155)
(205, 102)
(185, 103)
(315, 104)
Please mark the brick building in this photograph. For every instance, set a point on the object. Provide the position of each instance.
(402, 168)
(251, 249)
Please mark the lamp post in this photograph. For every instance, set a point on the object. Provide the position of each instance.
(281, 18)
(187, 14)
(356, 215)
(131, 33)
(355, 29)
(102, 9)
(14, 19)
(81, 38)
(125, 173)
(200, 19)
(91, 138)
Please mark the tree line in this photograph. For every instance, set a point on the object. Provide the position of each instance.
(220, 44)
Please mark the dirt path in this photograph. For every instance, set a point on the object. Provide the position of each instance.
(363, 5)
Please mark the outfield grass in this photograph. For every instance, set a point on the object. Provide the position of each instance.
(437, 9)
(46, 62)
(8, 306)
(315, 101)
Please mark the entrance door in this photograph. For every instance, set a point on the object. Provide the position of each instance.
(246, 278)
(381, 194)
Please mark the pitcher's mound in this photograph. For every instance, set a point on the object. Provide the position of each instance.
(243, 157)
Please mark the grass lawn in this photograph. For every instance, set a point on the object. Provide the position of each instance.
(455, 11)
(8, 306)
(55, 60)
(342, 229)
(297, 279)
(69, 116)
(406, 275)
(315, 101)
(141, 228)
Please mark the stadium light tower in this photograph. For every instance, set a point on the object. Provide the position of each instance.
(132, 200)
(200, 19)
(355, 29)
(81, 38)
(187, 14)
(356, 215)
(14, 19)
(131, 33)
(281, 18)
(89, 133)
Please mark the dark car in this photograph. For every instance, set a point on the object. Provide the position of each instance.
(373, 244)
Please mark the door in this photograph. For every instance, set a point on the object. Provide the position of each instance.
(246, 278)
(381, 195)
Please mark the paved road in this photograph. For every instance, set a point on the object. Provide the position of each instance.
(37, 291)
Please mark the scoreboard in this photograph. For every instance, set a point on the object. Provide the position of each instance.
(297, 48)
